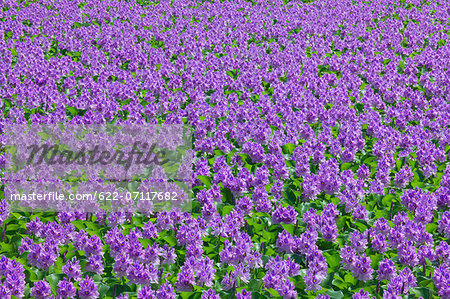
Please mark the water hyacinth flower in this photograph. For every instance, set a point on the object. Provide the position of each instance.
(444, 223)
(287, 290)
(210, 294)
(395, 285)
(166, 292)
(95, 264)
(441, 279)
(360, 213)
(146, 292)
(386, 270)
(379, 243)
(244, 294)
(313, 220)
(403, 177)
(348, 257)
(286, 242)
(358, 241)
(66, 289)
(228, 282)
(284, 215)
(361, 268)
(88, 289)
(381, 226)
(72, 269)
(425, 252)
(409, 280)
(312, 282)
(361, 295)
(407, 255)
(41, 289)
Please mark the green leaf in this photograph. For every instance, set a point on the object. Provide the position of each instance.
(431, 227)
(346, 166)
(13, 227)
(79, 224)
(338, 282)
(335, 294)
(327, 283)
(6, 247)
(333, 261)
(289, 227)
(350, 279)
(102, 289)
(273, 292)
(288, 148)
(420, 291)
(227, 209)
(361, 225)
(258, 226)
(53, 280)
(172, 241)
(386, 201)
(426, 282)
(205, 180)
(270, 236)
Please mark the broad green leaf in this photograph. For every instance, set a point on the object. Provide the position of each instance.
(335, 294)
(205, 180)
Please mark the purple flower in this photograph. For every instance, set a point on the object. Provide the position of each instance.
(146, 292)
(244, 294)
(149, 231)
(166, 292)
(360, 213)
(358, 241)
(407, 255)
(424, 252)
(286, 242)
(395, 285)
(210, 294)
(72, 269)
(409, 280)
(348, 257)
(361, 295)
(361, 268)
(287, 290)
(330, 211)
(444, 224)
(88, 288)
(381, 226)
(185, 278)
(313, 220)
(379, 243)
(363, 172)
(284, 215)
(386, 270)
(329, 230)
(403, 177)
(41, 289)
(312, 281)
(228, 282)
(95, 264)
(66, 289)
(241, 271)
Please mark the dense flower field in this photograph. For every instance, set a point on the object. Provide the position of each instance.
(321, 138)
